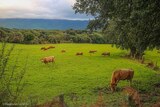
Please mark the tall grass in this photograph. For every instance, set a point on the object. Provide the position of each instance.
(11, 78)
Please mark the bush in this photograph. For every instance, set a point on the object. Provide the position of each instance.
(11, 79)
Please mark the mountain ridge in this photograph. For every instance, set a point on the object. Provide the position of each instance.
(55, 24)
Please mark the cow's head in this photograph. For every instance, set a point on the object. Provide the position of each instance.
(42, 59)
(113, 86)
(131, 70)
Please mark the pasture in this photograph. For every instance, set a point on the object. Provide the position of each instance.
(83, 76)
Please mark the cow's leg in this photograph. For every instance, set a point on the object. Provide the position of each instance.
(117, 81)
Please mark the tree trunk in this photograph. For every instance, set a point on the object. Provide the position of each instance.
(132, 52)
(135, 54)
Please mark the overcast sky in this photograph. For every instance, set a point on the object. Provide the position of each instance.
(46, 9)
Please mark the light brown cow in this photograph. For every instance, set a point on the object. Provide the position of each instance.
(48, 59)
(106, 53)
(79, 53)
(133, 96)
(121, 74)
(92, 51)
(63, 51)
(43, 48)
(49, 47)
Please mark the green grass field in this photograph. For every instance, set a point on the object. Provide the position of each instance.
(82, 75)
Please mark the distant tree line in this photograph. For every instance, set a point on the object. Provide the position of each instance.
(50, 36)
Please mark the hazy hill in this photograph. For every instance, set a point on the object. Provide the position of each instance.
(43, 24)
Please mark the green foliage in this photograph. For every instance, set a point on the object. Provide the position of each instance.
(28, 37)
(16, 37)
(97, 38)
(10, 77)
(50, 36)
(133, 25)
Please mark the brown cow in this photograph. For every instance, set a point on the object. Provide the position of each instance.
(46, 60)
(133, 96)
(106, 53)
(63, 51)
(121, 74)
(92, 51)
(79, 53)
(43, 48)
(49, 47)
(46, 48)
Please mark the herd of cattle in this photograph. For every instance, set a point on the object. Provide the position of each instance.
(117, 75)
(49, 59)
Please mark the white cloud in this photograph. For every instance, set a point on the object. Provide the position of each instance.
(52, 9)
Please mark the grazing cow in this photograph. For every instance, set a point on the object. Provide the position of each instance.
(106, 53)
(121, 74)
(92, 51)
(79, 53)
(63, 51)
(49, 59)
(49, 47)
(43, 48)
(133, 96)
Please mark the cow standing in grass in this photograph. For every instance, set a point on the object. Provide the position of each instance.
(92, 51)
(43, 48)
(79, 53)
(46, 48)
(121, 74)
(49, 59)
(49, 47)
(63, 51)
(106, 54)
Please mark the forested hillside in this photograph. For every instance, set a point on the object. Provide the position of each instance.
(50, 36)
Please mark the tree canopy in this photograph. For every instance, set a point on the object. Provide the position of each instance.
(130, 24)
(34, 36)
